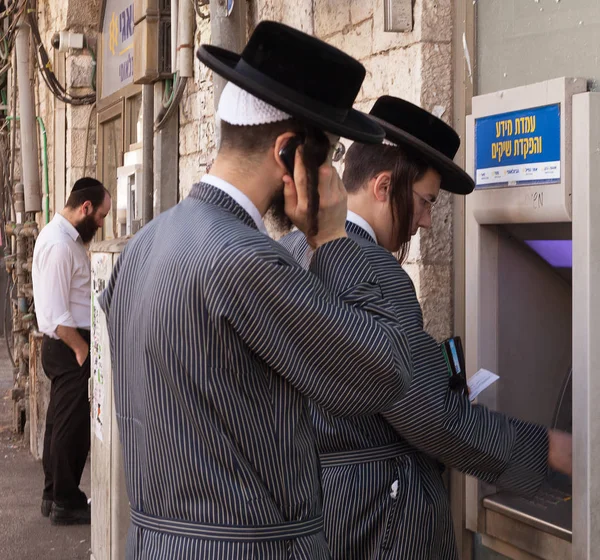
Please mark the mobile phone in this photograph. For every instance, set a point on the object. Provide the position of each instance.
(455, 360)
(288, 152)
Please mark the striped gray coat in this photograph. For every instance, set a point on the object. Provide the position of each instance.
(217, 339)
(384, 496)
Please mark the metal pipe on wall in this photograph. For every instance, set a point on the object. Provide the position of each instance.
(186, 21)
(227, 30)
(29, 138)
(147, 153)
(174, 31)
(13, 141)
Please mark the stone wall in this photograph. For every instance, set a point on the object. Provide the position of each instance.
(197, 147)
(415, 65)
(67, 139)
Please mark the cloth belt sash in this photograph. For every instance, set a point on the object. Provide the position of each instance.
(230, 533)
(358, 456)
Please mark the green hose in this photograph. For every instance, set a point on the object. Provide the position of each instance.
(45, 169)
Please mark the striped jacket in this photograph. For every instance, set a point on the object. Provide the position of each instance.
(384, 495)
(217, 338)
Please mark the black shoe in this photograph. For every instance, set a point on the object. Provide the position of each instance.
(68, 516)
(46, 507)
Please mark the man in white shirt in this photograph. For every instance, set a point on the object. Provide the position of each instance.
(61, 289)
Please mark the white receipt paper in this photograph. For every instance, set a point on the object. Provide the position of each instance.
(481, 381)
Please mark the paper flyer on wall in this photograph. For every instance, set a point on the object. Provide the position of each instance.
(100, 273)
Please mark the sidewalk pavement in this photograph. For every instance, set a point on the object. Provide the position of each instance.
(24, 533)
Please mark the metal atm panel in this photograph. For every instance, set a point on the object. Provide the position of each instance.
(530, 317)
(534, 332)
(534, 359)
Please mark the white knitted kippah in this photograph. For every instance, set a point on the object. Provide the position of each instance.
(240, 108)
(389, 142)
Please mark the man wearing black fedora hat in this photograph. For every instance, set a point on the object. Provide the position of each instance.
(217, 334)
(384, 495)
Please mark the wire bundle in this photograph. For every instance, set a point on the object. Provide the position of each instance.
(45, 66)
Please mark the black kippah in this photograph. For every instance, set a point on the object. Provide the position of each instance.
(85, 183)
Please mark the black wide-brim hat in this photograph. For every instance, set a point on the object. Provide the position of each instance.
(408, 125)
(300, 75)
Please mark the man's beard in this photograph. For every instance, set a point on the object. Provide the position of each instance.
(276, 214)
(87, 229)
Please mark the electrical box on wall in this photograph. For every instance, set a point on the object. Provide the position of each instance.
(129, 203)
(398, 15)
(151, 41)
(110, 513)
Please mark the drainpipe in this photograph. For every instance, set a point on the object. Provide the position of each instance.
(147, 153)
(29, 140)
(227, 30)
(174, 28)
(186, 21)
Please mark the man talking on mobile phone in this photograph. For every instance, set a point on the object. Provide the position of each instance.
(217, 333)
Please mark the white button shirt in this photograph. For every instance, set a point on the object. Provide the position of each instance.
(61, 278)
(361, 222)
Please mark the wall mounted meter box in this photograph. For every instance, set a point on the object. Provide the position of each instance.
(110, 506)
(129, 199)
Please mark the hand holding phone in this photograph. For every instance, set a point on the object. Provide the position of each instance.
(288, 152)
(331, 196)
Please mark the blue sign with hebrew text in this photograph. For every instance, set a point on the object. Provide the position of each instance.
(518, 148)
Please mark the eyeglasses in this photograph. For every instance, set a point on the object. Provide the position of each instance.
(427, 204)
(338, 151)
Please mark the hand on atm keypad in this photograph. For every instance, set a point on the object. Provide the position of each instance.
(560, 452)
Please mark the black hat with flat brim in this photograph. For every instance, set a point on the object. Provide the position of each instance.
(300, 75)
(408, 125)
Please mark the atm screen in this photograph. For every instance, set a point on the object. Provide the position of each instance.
(556, 252)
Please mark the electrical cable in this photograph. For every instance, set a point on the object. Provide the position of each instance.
(167, 112)
(45, 67)
(87, 136)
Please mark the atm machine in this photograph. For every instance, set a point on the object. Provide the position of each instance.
(532, 259)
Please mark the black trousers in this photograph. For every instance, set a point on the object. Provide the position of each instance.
(67, 437)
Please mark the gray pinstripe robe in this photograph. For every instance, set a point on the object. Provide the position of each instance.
(384, 496)
(217, 335)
